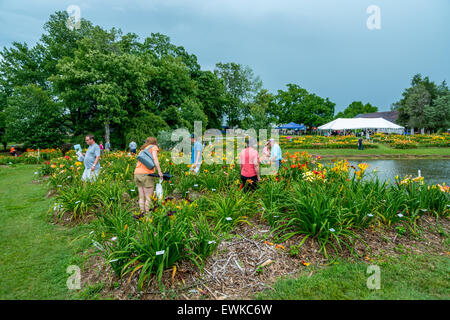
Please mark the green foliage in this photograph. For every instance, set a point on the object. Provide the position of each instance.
(298, 105)
(146, 125)
(33, 118)
(240, 87)
(355, 108)
(424, 105)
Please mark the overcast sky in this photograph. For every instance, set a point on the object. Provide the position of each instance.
(322, 45)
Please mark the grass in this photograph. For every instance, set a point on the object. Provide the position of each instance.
(34, 254)
(406, 277)
(381, 150)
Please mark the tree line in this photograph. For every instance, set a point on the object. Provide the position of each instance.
(119, 87)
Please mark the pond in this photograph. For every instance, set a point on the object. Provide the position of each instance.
(433, 170)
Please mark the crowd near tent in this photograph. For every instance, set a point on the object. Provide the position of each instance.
(375, 124)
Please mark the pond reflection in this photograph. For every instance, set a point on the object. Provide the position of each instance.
(433, 170)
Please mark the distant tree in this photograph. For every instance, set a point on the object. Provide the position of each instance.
(3, 139)
(437, 115)
(258, 116)
(241, 85)
(420, 96)
(33, 118)
(146, 125)
(296, 104)
(355, 108)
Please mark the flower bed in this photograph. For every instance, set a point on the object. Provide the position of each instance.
(329, 203)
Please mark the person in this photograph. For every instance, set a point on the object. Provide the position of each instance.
(275, 154)
(360, 144)
(91, 160)
(367, 135)
(143, 180)
(196, 154)
(107, 146)
(249, 165)
(101, 147)
(132, 147)
(13, 151)
(266, 153)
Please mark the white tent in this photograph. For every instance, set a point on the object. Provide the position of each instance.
(379, 124)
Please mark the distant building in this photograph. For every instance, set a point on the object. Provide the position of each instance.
(391, 116)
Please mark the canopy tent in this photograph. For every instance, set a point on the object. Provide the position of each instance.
(379, 124)
(292, 126)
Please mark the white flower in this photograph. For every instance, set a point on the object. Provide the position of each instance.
(332, 230)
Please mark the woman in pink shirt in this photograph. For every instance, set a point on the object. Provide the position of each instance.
(249, 163)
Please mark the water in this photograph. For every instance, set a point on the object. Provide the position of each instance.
(433, 170)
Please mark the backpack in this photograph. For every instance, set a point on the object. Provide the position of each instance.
(145, 157)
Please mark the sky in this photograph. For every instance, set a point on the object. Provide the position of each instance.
(325, 46)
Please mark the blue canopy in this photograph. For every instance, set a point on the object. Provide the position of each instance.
(292, 126)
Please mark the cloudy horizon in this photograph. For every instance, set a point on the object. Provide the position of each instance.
(322, 46)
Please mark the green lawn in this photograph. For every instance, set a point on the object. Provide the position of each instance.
(408, 277)
(381, 150)
(34, 253)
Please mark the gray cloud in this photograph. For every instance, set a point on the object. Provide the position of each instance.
(323, 45)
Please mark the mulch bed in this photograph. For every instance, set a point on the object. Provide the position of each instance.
(247, 263)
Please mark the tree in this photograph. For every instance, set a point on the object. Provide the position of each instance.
(296, 104)
(355, 108)
(211, 93)
(148, 124)
(259, 117)
(241, 85)
(421, 95)
(438, 114)
(33, 118)
(3, 139)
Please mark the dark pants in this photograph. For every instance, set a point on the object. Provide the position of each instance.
(133, 151)
(249, 183)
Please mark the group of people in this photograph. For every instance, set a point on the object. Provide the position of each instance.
(145, 177)
(249, 162)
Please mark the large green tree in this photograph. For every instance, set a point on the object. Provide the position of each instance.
(34, 118)
(355, 108)
(421, 103)
(296, 104)
(241, 85)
